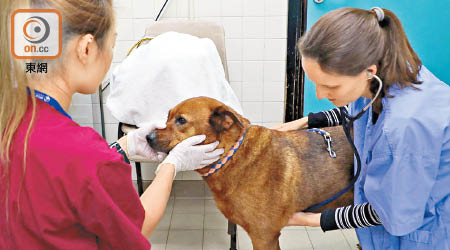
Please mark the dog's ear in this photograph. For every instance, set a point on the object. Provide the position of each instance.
(222, 119)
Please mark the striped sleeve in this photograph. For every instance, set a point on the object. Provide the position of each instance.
(329, 118)
(354, 216)
(120, 150)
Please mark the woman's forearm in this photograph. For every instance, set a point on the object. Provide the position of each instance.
(329, 118)
(301, 123)
(154, 200)
(305, 219)
(353, 216)
(155, 197)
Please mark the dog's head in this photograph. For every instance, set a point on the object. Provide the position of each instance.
(196, 116)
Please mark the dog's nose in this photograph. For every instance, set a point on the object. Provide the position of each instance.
(152, 138)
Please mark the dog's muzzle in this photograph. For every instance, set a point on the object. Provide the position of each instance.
(152, 140)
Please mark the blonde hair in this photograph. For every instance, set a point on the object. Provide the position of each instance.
(79, 17)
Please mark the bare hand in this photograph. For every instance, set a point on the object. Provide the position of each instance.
(304, 219)
(301, 123)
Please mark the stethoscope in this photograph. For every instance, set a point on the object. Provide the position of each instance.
(380, 86)
(347, 123)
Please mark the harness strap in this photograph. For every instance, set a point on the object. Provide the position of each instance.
(346, 124)
(327, 138)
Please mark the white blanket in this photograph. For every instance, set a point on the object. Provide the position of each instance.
(167, 70)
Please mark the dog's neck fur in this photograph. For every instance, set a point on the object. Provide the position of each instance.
(226, 139)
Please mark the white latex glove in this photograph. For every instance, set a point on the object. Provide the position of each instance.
(137, 143)
(187, 155)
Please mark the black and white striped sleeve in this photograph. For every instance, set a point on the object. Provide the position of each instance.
(329, 118)
(354, 216)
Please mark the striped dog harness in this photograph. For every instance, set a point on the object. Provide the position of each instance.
(225, 159)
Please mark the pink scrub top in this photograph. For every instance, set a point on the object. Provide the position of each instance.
(76, 192)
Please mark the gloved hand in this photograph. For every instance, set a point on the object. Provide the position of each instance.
(187, 155)
(137, 143)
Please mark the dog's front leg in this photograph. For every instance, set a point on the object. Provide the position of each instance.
(263, 241)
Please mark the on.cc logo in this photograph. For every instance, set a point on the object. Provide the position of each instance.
(36, 29)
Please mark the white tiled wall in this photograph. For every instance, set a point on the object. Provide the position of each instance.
(255, 38)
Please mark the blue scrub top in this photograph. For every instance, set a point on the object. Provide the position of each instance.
(405, 171)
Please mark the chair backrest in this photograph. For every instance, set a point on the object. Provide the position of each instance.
(202, 29)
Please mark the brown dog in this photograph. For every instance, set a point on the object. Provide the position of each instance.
(272, 175)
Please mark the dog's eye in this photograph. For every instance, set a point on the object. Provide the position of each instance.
(180, 121)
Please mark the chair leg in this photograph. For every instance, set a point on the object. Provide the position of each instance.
(232, 231)
(120, 133)
(139, 178)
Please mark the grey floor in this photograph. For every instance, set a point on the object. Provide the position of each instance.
(192, 222)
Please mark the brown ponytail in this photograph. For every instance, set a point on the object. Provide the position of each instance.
(347, 41)
(399, 64)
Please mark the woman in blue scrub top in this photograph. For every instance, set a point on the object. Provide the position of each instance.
(362, 58)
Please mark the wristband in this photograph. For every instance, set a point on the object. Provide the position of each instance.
(120, 150)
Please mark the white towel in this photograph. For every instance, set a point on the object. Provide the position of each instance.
(162, 73)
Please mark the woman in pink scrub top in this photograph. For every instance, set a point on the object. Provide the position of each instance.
(61, 185)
